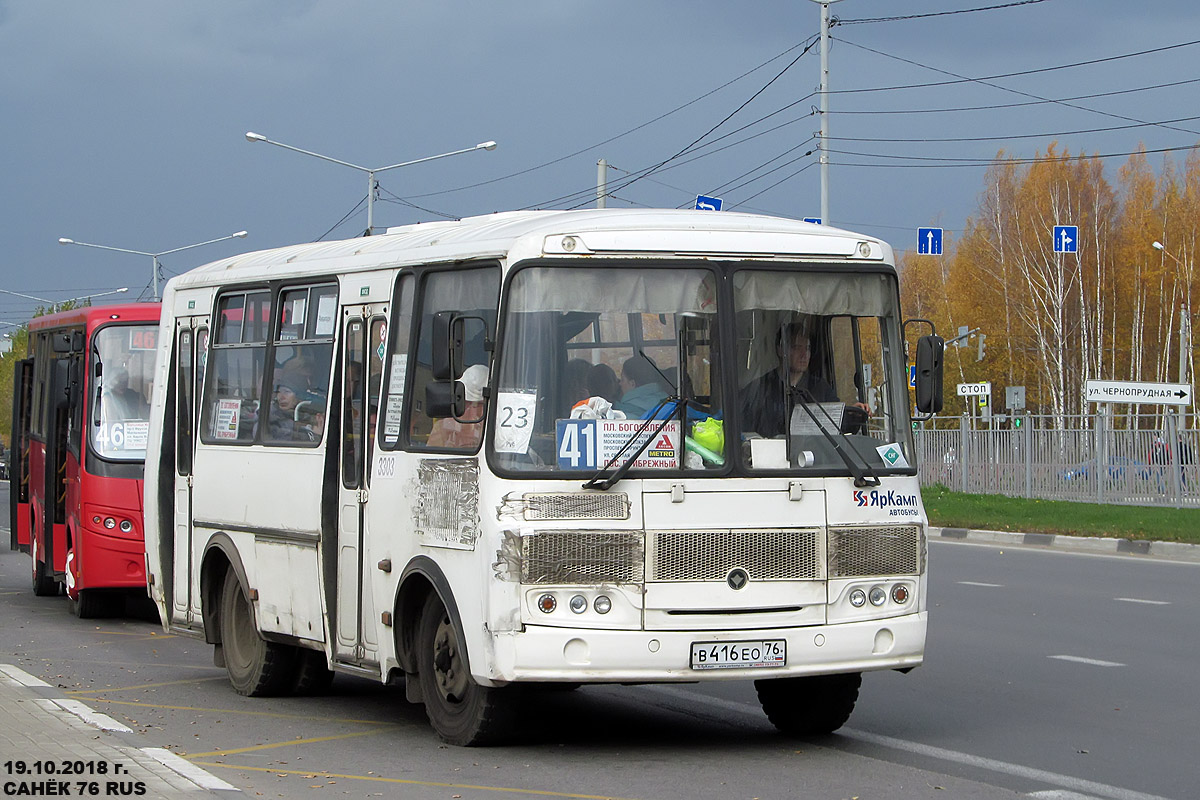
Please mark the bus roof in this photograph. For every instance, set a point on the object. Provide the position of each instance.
(607, 231)
(91, 316)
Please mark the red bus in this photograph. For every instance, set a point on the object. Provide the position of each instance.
(80, 422)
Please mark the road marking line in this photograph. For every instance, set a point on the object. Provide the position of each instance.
(187, 682)
(200, 777)
(266, 714)
(985, 585)
(21, 676)
(409, 782)
(1146, 602)
(1059, 794)
(1095, 662)
(1019, 770)
(288, 743)
(90, 716)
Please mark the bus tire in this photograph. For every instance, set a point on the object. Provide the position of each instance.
(256, 667)
(93, 603)
(460, 710)
(43, 585)
(312, 676)
(809, 706)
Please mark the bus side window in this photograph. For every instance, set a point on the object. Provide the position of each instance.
(238, 355)
(299, 403)
(471, 293)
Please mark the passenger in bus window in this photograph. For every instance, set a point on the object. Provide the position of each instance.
(576, 381)
(767, 402)
(602, 382)
(451, 433)
(123, 402)
(641, 387)
(290, 390)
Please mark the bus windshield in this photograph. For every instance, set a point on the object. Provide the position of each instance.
(597, 364)
(122, 373)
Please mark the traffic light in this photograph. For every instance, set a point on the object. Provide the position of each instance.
(982, 347)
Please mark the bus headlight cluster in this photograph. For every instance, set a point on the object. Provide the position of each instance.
(548, 603)
(110, 523)
(878, 595)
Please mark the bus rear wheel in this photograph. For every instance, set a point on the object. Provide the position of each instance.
(460, 710)
(809, 706)
(256, 667)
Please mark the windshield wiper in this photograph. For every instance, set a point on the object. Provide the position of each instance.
(609, 482)
(863, 476)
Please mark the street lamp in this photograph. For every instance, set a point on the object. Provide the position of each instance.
(372, 184)
(1185, 327)
(155, 256)
(55, 303)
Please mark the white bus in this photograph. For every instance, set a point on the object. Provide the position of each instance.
(545, 448)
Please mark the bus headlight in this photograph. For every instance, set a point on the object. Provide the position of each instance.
(110, 523)
(878, 596)
(603, 604)
(578, 604)
(126, 526)
(858, 598)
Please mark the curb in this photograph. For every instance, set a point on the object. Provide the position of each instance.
(1174, 551)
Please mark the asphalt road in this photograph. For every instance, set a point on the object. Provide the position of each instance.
(1047, 674)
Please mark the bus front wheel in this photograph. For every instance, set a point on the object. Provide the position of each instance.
(809, 706)
(460, 710)
(256, 667)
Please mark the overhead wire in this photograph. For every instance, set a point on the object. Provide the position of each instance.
(728, 117)
(906, 17)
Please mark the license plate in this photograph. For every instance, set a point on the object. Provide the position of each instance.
(739, 655)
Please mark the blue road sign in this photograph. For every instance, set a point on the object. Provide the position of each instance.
(813, 220)
(1066, 239)
(708, 203)
(912, 375)
(929, 241)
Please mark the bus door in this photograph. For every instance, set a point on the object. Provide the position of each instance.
(191, 345)
(18, 455)
(365, 344)
(51, 558)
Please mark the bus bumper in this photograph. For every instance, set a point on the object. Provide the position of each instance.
(112, 562)
(604, 656)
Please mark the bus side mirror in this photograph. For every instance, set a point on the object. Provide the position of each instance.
(446, 398)
(930, 350)
(77, 342)
(447, 346)
(61, 342)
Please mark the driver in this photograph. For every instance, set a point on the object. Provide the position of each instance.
(767, 402)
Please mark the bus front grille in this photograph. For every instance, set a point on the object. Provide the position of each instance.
(576, 505)
(765, 555)
(869, 552)
(582, 557)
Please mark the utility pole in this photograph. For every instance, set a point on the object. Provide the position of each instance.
(822, 143)
(602, 183)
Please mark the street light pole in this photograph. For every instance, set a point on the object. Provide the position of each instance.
(372, 183)
(823, 144)
(154, 266)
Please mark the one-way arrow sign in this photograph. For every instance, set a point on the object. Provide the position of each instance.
(1167, 394)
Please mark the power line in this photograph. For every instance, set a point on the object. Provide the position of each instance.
(977, 162)
(619, 135)
(1002, 106)
(729, 116)
(1016, 135)
(357, 205)
(987, 81)
(938, 13)
(960, 79)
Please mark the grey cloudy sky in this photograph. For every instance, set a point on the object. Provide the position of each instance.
(122, 122)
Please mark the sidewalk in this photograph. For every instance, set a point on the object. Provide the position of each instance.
(51, 745)
(1174, 551)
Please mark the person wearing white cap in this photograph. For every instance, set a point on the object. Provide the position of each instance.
(451, 433)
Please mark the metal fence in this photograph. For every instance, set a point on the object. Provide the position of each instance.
(1098, 459)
